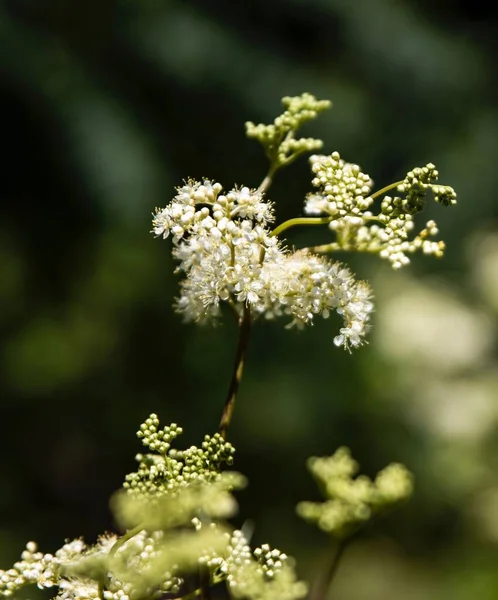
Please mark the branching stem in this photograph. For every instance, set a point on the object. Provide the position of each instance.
(385, 189)
(300, 221)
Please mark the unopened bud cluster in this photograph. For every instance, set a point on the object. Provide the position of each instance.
(165, 470)
(278, 138)
(345, 195)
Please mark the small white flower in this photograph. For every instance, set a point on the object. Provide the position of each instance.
(227, 253)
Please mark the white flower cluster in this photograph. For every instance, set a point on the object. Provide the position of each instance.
(270, 559)
(34, 567)
(228, 254)
(45, 571)
(65, 570)
(265, 574)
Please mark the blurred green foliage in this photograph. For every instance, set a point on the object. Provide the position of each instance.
(106, 106)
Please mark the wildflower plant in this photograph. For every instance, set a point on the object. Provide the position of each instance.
(175, 509)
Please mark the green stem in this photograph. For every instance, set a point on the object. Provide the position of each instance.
(389, 187)
(324, 220)
(268, 180)
(300, 221)
(324, 248)
(116, 546)
(238, 369)
(124, 538)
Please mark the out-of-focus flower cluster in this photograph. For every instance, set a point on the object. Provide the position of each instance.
(228, 254)
(175, 508)
(264, 574)
(444, 378)
(55, 570)
(351, 502)
(170, 485)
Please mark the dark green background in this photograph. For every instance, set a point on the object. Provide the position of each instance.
(105, 107)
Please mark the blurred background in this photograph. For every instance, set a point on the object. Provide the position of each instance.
(105, 107)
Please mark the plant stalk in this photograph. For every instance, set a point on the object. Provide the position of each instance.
(268, 180)
(300, 221)
(238, 369)
(322, 585)
(116, 546)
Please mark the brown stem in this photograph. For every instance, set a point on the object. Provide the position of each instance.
(322, 585)
(238, 368)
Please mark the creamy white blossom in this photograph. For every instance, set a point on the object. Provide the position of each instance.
(46, 570)
(65, 570)
(227, 253)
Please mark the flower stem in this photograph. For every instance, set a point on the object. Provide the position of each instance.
(124, 538)
(238, 369)
(268, 180)
(322, 585)
(389, 187)
(300, 221)
(115, 547)
(324, 248)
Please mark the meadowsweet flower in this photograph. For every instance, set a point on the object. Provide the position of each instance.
(227, 253)
(175, 506)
